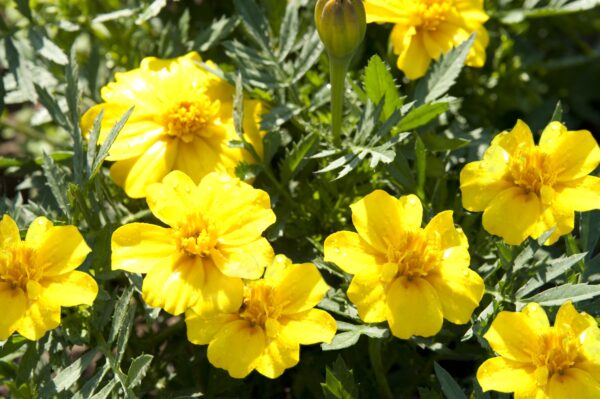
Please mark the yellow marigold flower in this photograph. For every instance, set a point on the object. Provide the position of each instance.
(214, 240)
(525, 189)
(540, 361)
(182, 120)
(426, 29)
(410, 276)
(263, 329)
(38, 276)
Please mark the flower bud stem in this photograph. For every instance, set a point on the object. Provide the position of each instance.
(337, 71)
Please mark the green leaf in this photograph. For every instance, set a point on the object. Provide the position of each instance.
(380, 84)
(339, 382)
(439, 142)
(279, 115)
(67, 377)
(151, 11)
(72, 95)
(53, 108)
(20, 70)
(298, 156)
(104, 392)
(420, 116)
(46, 48)
(56, 181)
(137, 370)
(444, 73)
(309, 55)
(254, 21)
(24, 9)
(92, 384)
(108, 142)
(216, 32)
(238, 107)
(557, 115)
(8, 162)
(450, 388)
(288, 30)
(120, 314)
(552, 270)
(342, 340)
(421, 164)
(519, 15)
(558, 295)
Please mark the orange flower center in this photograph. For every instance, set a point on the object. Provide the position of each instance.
(412, 255)
(558, 352)
(530, 170)
(428, 14)
(197, 237)
(190, 119)
(17, 267)
(258, 307)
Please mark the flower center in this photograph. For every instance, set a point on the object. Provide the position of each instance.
(412, 255)
(558, 352)
(258, 305)
(530, 170)
(428, 14)
(190, 119)
(197, 237)
(17, 267)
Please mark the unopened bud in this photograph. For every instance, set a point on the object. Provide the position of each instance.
(341, 25)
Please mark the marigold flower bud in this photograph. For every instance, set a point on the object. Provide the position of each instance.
(341, 25)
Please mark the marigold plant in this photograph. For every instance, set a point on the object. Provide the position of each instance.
(38, 276)
(264, 327)
(426, 29)
(212, 242)
(525, 189)
(412, 277)
(182, 120)
(537, 360)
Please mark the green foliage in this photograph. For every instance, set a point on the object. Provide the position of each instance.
(401, 136)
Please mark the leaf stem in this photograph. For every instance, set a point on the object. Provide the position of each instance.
(377, 365)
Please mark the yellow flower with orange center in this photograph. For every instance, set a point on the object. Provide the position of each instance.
(426, 29)
(412, 277)
(182, 120)
(212, 242)
(38, 276)
(525, 189)
(540, 361)
(264, 327)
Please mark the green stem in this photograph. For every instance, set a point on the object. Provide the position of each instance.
(337, 73)
(377, 365)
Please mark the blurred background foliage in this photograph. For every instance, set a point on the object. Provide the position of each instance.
(541, 53)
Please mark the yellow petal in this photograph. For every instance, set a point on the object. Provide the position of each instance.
(136, 174)
(253, 111)
(70, 289)
(173, 199)
(503, 375)
(477, 55)
(9, 232)
(385, 11)
(580, 195)
(201, 329)
(245, 261)
(240, 212)
(279, 354)
(219, 293)
(13, 302)
(512, 215)
(134, 139)
(351, 253)
(138, 247)
(62, 250)
(300, 288)
(471, 11)
(519, 138)
(39, 318)
(573, 154)
(559, 216)
(514, 336)
(459, 288)
(309, 327)
(537, 315)
(236, 348)
(36, 231)
(379, 217)
(414, 308)
(574, 383)
(413, 58)
(367, 292)
(569, 320)
(442, 226)
(174, 286)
